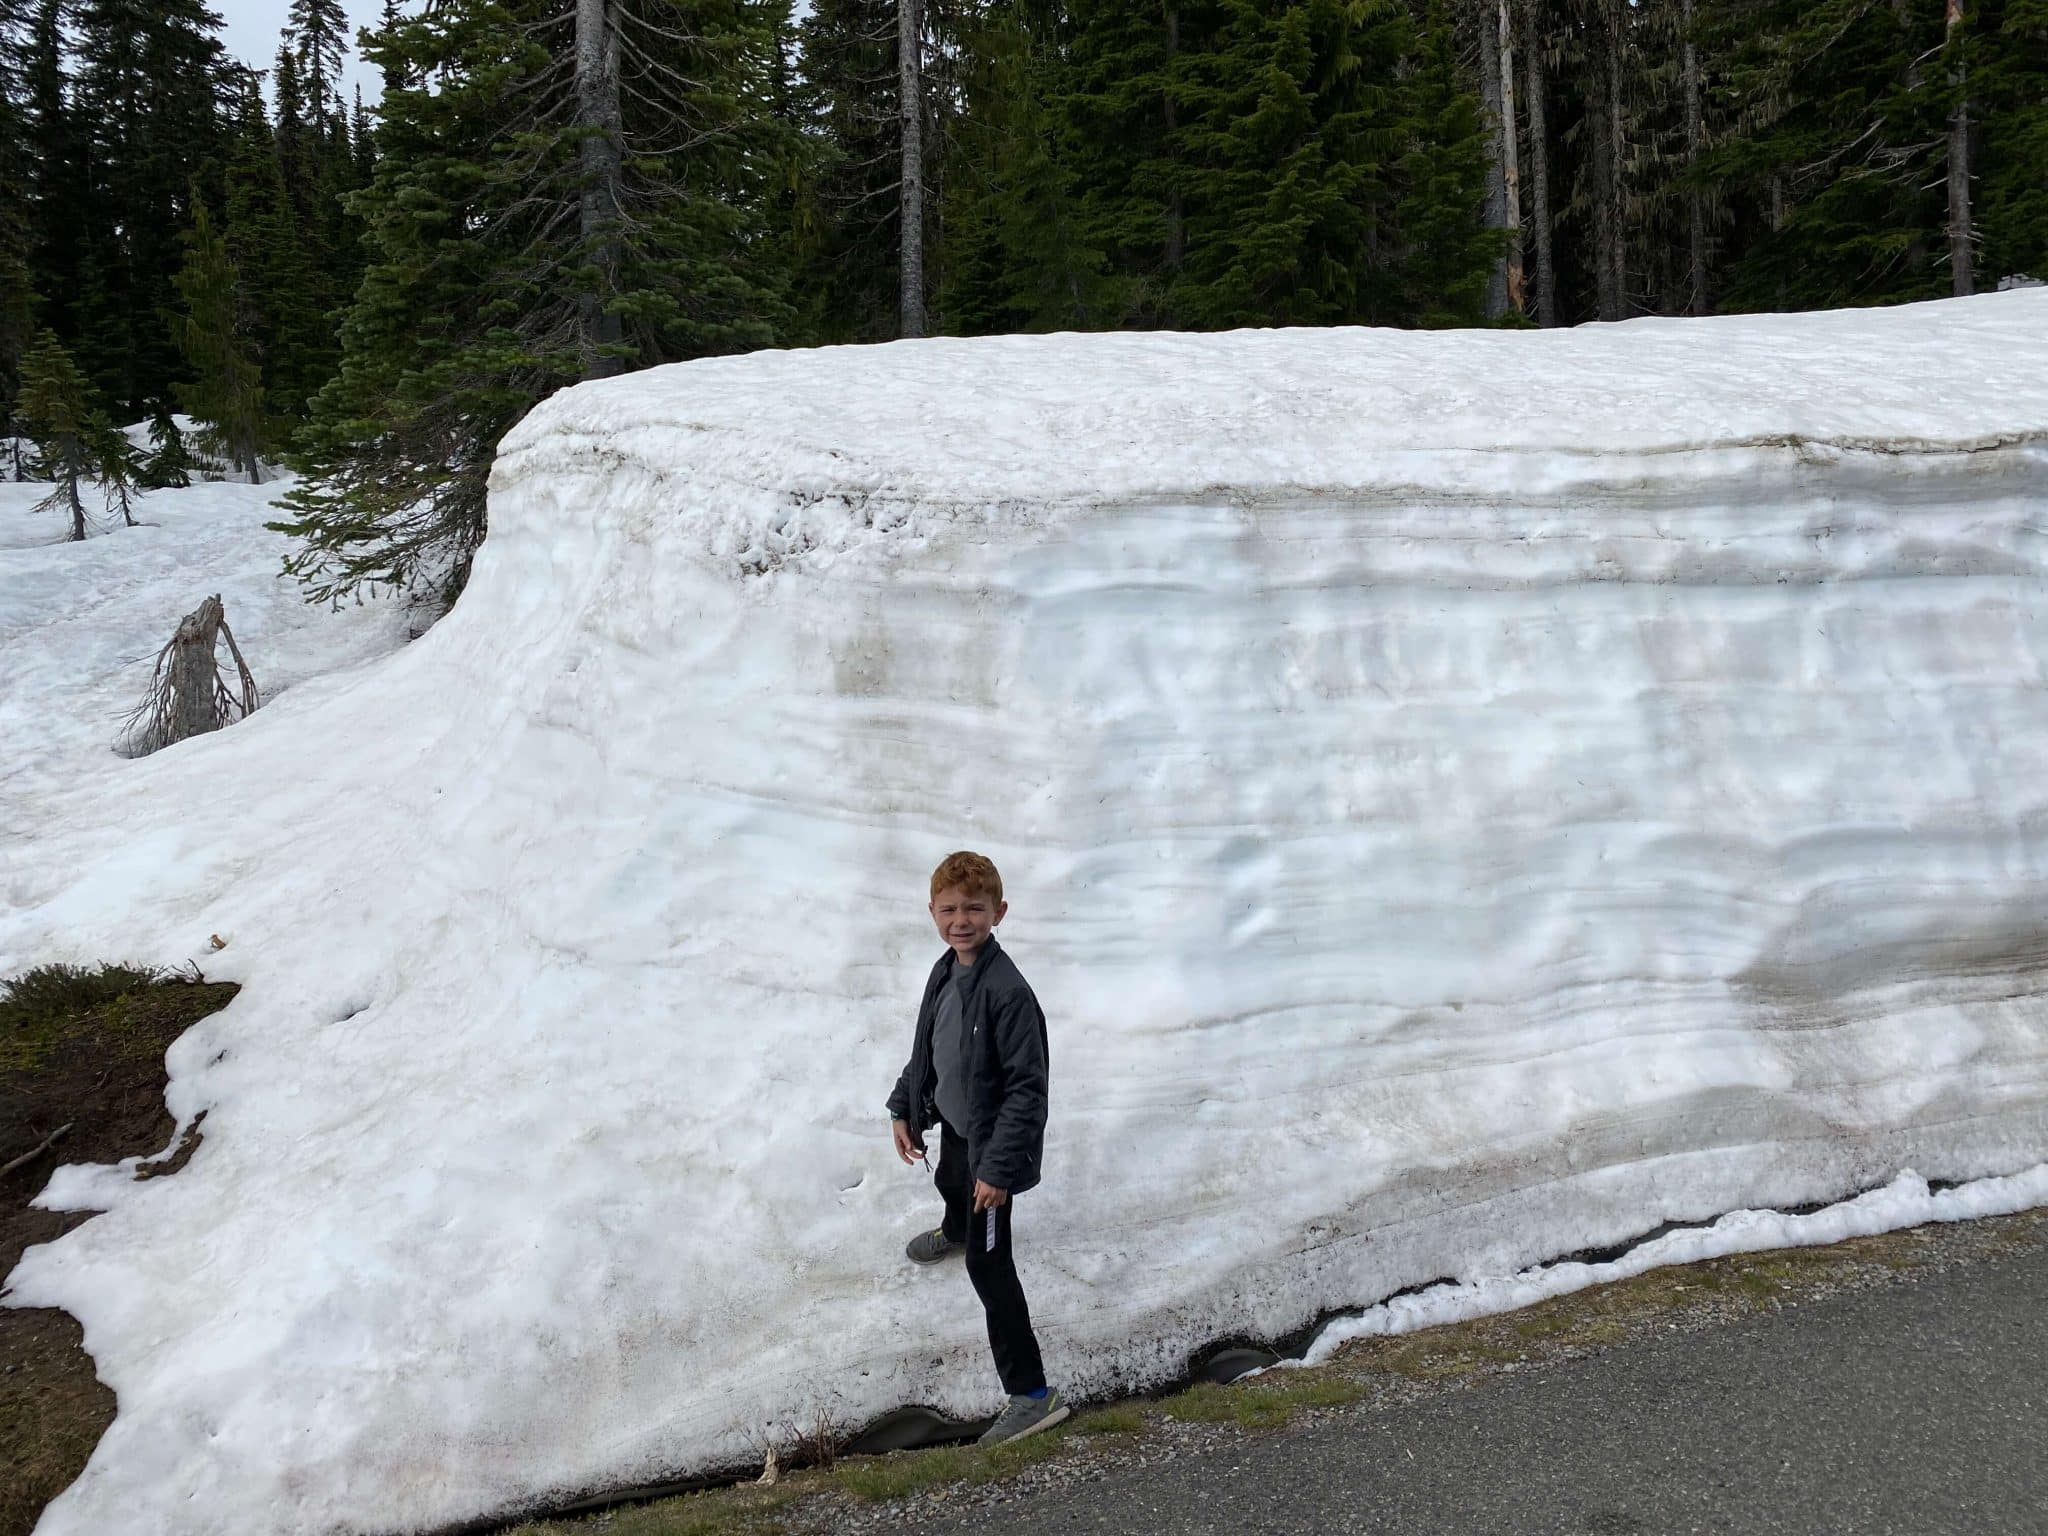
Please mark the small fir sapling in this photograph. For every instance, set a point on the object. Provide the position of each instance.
(58, 413)
(170, 462)
(116, 465)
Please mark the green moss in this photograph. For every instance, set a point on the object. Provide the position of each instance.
(1264, 1402)
(900, 1472)
(746, 1510)
(1203, 1404)
(1119, 1419)
(115, 1005)
(50, 992)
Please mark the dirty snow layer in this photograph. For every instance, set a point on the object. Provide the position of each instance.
(1463, 799)
(1906, 1201)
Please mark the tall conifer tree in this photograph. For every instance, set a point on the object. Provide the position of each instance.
(148, 75)
(226, 394)
(17, 290)
(2010, 93)
(849, 276)
(1017, 256)
(281, 305)
(317, 35)
(1126, 94)
(54, 186)
(486, 265)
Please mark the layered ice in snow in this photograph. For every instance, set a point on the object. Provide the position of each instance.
(1463, 799)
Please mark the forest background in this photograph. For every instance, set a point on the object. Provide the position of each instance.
(556, 190)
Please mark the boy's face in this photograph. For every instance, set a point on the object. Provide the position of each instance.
(964, 921)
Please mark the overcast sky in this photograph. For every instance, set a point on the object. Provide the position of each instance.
(253, 27)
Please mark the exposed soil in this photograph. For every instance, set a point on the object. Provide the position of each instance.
(102, 1073)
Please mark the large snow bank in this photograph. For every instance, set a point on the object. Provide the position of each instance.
(1463, 799)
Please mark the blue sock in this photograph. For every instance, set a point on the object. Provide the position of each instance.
(1038, 1395)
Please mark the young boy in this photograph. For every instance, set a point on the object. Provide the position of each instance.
(977, 1069)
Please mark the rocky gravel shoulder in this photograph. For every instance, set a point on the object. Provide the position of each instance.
(908, 1490)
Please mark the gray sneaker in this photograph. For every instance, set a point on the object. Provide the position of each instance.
(930, 1247)
(1025, 1416)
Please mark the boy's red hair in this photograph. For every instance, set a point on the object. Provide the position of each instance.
(973, 873)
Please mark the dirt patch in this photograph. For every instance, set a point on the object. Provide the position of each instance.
(99, 1070)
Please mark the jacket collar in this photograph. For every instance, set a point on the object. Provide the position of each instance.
(989, 950)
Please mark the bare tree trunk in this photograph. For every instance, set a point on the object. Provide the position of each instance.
(910, 107)
(597, 114)
(1605, 147)
(1539, 166)
(77, 508)
(1960, 266)
(236, 438)
(193, 673)
(1902, 13)
(1696, 199)
(1496, 214)
(1511, 156)
(1176, 215)
(1778, 220)
(1617, 203)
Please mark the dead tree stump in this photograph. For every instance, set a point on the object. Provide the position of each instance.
(190, 694)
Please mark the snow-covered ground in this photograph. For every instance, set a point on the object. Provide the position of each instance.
(81, 625)
(1463, 798)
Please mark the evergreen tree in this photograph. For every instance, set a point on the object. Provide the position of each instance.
(115, 465)
(318, 38)
(2009, 82)
(226, 396)
(295, 160)
(54, 165)
(170, 462)
(1277, 161)
(281, 305)
(1125, 98)
(850, 268)
(363, 146)
(317, 169)
(1284, 115)
(1840, 153)
(56, 408)
(1447, 252)
(520, 238)
(17, 293)
(337, 243)
(147, 78)
(1016, 254)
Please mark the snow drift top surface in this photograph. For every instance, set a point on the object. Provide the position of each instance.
(846, 436)
(1430, 860)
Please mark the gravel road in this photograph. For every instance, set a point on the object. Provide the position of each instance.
(1917, 1407)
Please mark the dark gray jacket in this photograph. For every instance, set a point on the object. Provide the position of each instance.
(1003, 1031)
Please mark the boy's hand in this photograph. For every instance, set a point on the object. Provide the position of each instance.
(907, 1146)
(987, 1197)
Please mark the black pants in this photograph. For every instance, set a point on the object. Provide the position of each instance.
(992, 1266)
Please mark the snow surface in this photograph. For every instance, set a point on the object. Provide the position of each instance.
(1905, 1202)
(81, 625)
(1463, 798)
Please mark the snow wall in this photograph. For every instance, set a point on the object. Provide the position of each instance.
(1463, 798)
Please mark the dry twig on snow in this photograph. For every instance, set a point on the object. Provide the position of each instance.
(33, 1153)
